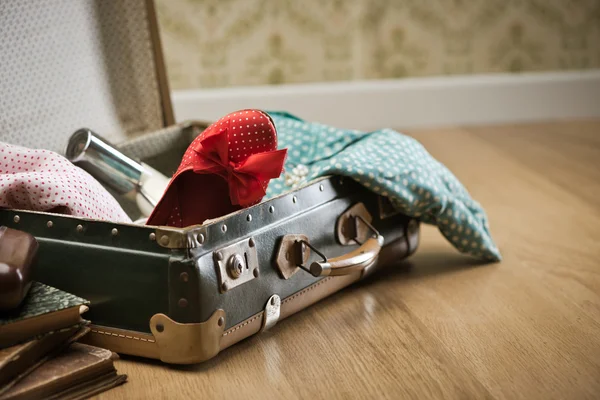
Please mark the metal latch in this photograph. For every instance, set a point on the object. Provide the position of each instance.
(271, 313)
(292, 253)
(354, 225)
(236, 264)
(386, 208)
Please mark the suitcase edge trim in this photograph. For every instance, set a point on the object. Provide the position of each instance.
(203, 341)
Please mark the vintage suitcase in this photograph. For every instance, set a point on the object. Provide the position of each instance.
(178, 295)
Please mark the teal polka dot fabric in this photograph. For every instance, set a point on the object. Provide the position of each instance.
(390, 164)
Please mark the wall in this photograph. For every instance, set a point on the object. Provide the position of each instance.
(220, 43)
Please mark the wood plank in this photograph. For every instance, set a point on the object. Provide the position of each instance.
(529, 326)
(567, 153)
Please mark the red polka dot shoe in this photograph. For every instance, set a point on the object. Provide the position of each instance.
(226, 168)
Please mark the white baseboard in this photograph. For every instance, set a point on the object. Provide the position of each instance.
(411, 103)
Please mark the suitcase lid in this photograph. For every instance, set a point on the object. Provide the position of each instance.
(94, 64)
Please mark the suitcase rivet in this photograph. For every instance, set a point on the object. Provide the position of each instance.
(251, 242)
(160, 327)
(224, 228)
(200, 238)
(49, 224)
(164, 240)
(219, 256)
(152, 236)
(225, 286)
(79, 228)
(294, 199)
(16, 219)
(221, 321)
(114, 232)
(249, 218)
(255, 272)
(182, 303)
(184, 276)
(321, 187)
(271, 209)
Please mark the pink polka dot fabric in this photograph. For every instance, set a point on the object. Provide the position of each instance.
(41, 180)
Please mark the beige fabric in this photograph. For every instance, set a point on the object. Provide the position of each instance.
(69, 64)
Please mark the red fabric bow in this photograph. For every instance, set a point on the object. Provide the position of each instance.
(247, 179)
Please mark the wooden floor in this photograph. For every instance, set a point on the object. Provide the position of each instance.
(441, 325)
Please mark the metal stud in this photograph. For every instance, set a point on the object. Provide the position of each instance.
(294, 199)
(221, 321)
(79, 228)
(114, 232)
(256, 272)
(152, 236)
(219, 256)
(224, 228)
(160, 327)
(184, 277)
(271, 209)
(200, 238)
(251, 242)
(164, 240)
(16, 218)
(249, 218)
(182, 303)
(225, 286)
(321, 187)
(49, 224)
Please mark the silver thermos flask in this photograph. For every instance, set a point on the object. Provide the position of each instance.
(115, 170)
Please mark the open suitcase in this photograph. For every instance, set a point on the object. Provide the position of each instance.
(178, 295)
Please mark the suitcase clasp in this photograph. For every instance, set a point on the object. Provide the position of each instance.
(236, 264)
(271, 313)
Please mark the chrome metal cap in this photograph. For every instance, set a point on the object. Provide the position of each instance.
(103, 161)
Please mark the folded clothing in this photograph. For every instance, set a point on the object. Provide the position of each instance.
(42, 180)
(390, 164)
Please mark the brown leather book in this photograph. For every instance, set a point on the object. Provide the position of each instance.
(79, 372)
(43, 310)
(18, 361)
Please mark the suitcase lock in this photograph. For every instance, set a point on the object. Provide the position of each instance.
(236, 264)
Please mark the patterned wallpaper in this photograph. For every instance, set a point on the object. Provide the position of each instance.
(218, 43)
